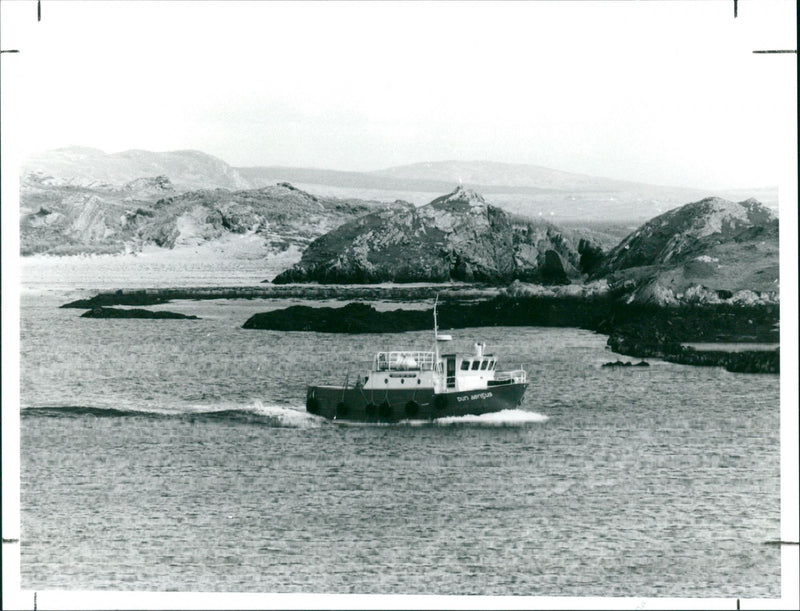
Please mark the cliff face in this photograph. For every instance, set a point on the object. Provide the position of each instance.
(705, 252)
(455, 237)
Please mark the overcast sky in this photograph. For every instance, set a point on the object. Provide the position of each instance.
(660, 92)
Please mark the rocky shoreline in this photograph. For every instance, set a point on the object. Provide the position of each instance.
(635, 330)
(154, 296)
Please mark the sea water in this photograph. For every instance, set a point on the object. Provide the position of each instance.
(178, 455)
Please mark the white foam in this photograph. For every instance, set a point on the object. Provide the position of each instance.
(501, 418)
(288, 416)
(506, 417)
(283, 415)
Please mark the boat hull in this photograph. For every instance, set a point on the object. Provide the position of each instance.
(360, 405)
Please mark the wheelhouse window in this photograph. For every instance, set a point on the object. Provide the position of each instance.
(484, 364)
(475, 364)
(465, 364)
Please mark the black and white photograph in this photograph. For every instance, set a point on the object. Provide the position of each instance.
(387, 305)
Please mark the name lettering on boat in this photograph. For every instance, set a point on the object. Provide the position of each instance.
(402, 375)
(475, 397)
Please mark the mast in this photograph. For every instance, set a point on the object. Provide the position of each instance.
(435, 334)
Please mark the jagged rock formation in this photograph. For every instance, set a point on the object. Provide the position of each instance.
(706, 252)
(455, 237)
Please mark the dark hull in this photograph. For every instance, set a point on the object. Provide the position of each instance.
(359, 405)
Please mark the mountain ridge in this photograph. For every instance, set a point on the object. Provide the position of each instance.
(527, 189)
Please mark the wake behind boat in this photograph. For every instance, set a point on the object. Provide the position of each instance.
(409, 384)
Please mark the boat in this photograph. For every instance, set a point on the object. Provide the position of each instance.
(420, 385)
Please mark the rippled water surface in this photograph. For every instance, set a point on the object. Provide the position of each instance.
(177, 455)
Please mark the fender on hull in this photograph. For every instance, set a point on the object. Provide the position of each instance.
(359, 405)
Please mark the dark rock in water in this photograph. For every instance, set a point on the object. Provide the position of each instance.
(100, 312)
(634, 329)
(500, 311)
(626, 364)
(152, 296)
(118, 298)
(617, 364)
(749, 361)
(352, 318)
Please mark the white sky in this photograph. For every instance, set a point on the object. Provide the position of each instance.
(660, 92)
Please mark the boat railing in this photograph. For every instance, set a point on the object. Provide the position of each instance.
(517, 376)
(404, 361)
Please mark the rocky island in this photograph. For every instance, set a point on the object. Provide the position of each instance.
(707, 271)
(101, 312)
(455, 237)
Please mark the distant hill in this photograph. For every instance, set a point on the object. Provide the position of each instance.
(369, 180)
(455, 237)
(495, 174)
(93, 168)
(703, 251)
(529, 190)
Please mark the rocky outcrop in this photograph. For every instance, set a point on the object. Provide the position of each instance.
(659, 344)
(682, 233)
(100, 312)
(352, 318)
(76, 220)
(707, 252)
(151, 185)
(455, 237)
(625, 364)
